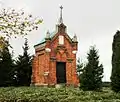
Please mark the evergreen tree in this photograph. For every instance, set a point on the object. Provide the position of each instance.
(91, 78)
(115, 76)
(23, 67)
(79, 67)
(6, 65)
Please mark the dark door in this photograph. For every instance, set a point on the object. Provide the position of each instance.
(61, 72)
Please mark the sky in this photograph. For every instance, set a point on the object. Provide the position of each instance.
(93, 21)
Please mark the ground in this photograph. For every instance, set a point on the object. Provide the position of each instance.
(38, 94)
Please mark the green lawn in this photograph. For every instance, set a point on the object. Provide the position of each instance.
(39, 94)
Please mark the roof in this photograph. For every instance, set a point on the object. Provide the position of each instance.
(52, 34)
(43, 40)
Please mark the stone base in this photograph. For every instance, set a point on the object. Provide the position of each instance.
(55, 85)
(58, 86)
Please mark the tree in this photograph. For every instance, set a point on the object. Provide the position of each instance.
(6, 64)
(79, 66)
(115, 75)
(23, 67)
(91, 78)
(14, 22)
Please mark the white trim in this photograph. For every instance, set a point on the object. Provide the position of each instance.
(47, 49)
(61, 39)
(74, 51)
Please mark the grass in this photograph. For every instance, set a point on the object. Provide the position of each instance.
(39, 94)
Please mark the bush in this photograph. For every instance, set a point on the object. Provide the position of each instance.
(38, 94)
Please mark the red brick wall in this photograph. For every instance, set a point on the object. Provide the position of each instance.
(46, 62)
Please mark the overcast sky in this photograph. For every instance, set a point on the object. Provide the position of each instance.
(93, 21)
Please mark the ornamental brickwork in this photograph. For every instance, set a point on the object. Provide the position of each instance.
(59, 48)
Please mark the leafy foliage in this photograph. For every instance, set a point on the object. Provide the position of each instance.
(38, 94)
(115, 76)
(91, 78)
(14, 22)
(23, 67)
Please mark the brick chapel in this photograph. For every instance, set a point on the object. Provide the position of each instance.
(55, 58)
